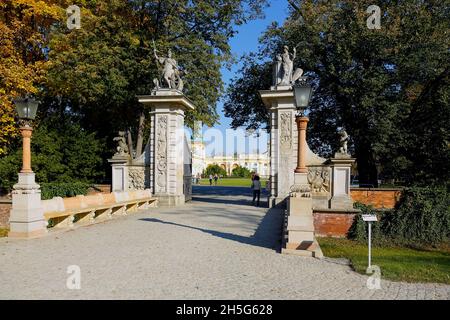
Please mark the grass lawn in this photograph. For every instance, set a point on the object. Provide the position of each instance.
(396, 263)
(232, 182)
(3, 232)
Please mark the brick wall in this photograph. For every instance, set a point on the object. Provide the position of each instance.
(332, 224)
(378, 198)
(336, 224)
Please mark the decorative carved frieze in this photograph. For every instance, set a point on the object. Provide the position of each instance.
(161, 154)
(136, 178)
(319, 179)
(300, 190)
(285, 130)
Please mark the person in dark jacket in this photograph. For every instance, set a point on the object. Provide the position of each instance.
(256, 187)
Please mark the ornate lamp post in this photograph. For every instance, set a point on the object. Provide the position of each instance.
(302, 95)
(26, 109)
(26, 218)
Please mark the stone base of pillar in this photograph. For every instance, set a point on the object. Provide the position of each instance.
(27, 215)
(307, 249)
(299, 222)
(170, 200)
(277, 202)
(321, 201)
(119, 176)
(341, 203)
(340, 190)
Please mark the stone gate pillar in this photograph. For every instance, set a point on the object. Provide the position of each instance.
(166, 144)
(283, 141)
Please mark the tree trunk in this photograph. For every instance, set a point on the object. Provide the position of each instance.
(367, 170)
(140, 137)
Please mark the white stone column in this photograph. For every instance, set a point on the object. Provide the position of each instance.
(283, 141)
(167, 108)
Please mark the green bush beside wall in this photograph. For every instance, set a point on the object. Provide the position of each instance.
(63, 189)
(420, 218)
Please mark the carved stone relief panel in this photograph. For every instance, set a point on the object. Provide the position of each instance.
(319, 179)
(285, 121)
(161, 154)
(136, 178)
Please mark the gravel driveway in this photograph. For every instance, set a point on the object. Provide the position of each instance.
(216, 247)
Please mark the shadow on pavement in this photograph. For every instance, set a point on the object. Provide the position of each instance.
(221, 194)
(267, 235)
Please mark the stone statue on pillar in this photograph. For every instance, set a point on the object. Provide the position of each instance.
(343, 141)
(171, 73)
(284, 70)
(122, 147)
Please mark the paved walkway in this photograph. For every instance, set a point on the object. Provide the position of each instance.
(216, 247)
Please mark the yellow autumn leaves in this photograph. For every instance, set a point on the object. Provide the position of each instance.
(24, 29)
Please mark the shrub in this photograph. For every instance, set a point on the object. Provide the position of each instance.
(241, 172)
(63, 189)
(359, 229)
(214, 169)
(60, 155)
(9, 167)
(421, 218)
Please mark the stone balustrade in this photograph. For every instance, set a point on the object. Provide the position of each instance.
(66, 212)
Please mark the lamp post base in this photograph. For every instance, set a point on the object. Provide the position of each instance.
(27, 215)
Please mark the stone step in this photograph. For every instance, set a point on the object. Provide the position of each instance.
(303, 253)
(306, 249)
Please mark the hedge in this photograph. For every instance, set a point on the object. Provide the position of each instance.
(420, 218)
(65, 189)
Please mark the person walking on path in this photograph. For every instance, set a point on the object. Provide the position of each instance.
(256, 187)
(216, 177)
(210, 179)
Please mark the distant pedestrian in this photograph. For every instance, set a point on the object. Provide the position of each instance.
(198, 178)
(216, 177)
(210, 179)
(256, 187)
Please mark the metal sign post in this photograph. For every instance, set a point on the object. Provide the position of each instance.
(369, 218)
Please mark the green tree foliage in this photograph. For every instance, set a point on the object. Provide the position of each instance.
(241, 172)
(94, 73)
(213, 169)
(61, 152)
(389, 88)
(102, 66)
(243, 104)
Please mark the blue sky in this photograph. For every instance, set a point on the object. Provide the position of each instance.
(246, 41)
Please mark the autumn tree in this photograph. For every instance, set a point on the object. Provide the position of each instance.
(24, 29)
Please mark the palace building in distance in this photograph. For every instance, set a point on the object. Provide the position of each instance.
(256, 162)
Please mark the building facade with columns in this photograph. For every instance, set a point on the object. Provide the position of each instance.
(255, 162)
